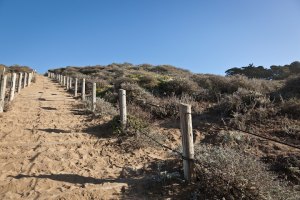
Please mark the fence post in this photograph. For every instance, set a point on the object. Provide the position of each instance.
(2, 92)
(29, 78)
(76, 87)
(123, 110)
(94, 96)
(67, 83)
(71, 81)
(64, 81)
(25, 79)
(20, 82)
(83, 90)
(12, 86)
(187, 140)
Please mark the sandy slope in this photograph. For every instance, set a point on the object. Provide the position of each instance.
(48, 151)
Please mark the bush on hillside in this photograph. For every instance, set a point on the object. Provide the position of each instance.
(291, 88)
(122, 80)
(291, 108)
(135, 93)
(148, 82)
(232, 174)
(178, 86)
(217, 86)
(244, 106)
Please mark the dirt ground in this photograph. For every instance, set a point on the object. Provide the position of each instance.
(51, 150)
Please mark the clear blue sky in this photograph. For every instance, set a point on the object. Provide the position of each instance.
(202, 36)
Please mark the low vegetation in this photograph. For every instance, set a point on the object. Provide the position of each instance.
(266, 106)
(15, 68)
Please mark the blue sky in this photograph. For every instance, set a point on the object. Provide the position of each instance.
(202, 36)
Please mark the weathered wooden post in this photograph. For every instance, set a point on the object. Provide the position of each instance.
(71, 81)
(25, 79)
(49, 74)
(29, 78)
(83, 89)
(187, 140)
(94, 96)
(68, 83)
(2, 92)
(123, 109)
(76, 87)
(12, 86)
(20, 82)
(64, 80)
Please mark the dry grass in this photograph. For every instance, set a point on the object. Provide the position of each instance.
(241, 171)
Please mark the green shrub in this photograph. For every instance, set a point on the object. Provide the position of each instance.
(134, 126)
(148, 82)
(122, 80)
(169, 70)
(178, 86)
(135, 93)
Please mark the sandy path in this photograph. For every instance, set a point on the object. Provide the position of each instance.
(48, 152)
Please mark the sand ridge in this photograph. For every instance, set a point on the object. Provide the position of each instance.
(47, 152)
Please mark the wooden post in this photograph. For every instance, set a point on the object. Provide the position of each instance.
(94, 96)
(83, 89)
(2, 92)
(71, 81)
(20, 82)
(187, 140)
(68, 83)
(12, 86)
(29, 78)
(76, 87)
(64, 83)
(25, 79)
(123, 109)
(49, 74)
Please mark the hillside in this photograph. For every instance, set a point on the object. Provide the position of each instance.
(227, 112)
